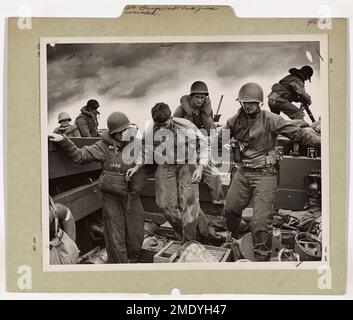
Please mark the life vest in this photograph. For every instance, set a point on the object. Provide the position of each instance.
(206, 113)
(112, 178)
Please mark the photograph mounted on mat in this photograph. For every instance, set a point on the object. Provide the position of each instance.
(179, 148)
(123, 157)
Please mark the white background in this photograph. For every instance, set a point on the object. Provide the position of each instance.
(110, 9)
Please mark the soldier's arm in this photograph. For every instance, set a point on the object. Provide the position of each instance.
(204, 149)
(225, 134)
(295, 133)
(145, 155)
(83, 127)
(83, 155)
(207, 110)
(298, 87)
(196, 141)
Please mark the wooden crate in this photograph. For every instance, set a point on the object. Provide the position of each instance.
(163, 255)
(166, 230)
(166, 254)
(149, 248)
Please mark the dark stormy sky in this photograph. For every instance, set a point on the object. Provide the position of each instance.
(132, 77)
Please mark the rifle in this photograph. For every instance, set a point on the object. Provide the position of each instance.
(217, 116)
(305, 107)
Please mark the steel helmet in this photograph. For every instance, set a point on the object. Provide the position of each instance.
(307, 71)
(246, 247)
(251, 92)
(63, 116)
(199, 87)
(308, 246)
(117, 122)
(92, 104)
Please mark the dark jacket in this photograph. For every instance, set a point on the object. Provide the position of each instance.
(290, 88)
(87, 123)
(69, 131)
(260, 140)
(115, 159)
(203, 119)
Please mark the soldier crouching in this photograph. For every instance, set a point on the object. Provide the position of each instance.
(171, 143)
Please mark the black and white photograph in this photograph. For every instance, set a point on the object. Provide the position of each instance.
(185, 152)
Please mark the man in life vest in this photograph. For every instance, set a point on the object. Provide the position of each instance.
(196, 107)
(123, 215)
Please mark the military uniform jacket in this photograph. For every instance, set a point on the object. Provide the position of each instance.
(202, 118)
(290, 88)
(260, 140)
(115, 158)
(87, 123)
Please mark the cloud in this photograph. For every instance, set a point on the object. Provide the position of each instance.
(145, 84)
(128, 55)
(131, 73)
(64, 94)
(62, 51)
(253, 59)
(309, 56)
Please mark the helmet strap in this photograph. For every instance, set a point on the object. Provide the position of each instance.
(115, 147)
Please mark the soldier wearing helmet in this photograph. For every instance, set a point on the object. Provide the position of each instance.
(291, 89)
(87, 120)
(256, 132)
(122, 210)
(65, 128)
(196, 108)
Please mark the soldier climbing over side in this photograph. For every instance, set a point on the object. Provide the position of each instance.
(291, 89)
(196, 107)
